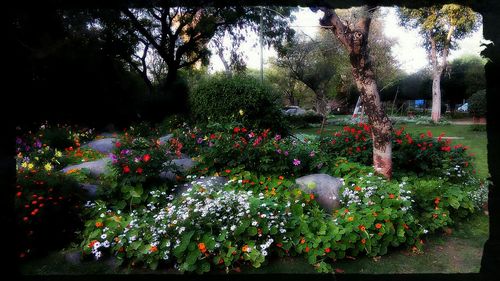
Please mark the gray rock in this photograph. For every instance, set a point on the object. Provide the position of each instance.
(205, 182)
(96, 168)
(324, 187)
(106, 145)
(165, 138)
(167, 175)
(73, 257)
(90, 188)
(108, 135)
(184, 164)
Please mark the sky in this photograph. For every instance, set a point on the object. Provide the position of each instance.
(408, 50)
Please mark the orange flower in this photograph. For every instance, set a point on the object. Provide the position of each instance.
(357, 188)
(302, 241)
(202, 248)
(91, 244)
(374, 214)
(153, 249)
(311, 196)
(281, 177)
(98, 224)
(362, 227)
(245, 248)
(350, 218)
(436, 201)
(405, 226)
(363, 241)
(307, 249)
(378, 225)
(391, 196)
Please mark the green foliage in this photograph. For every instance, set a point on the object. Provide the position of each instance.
(477, 104)
(436, 22)
(238, 98)
(303, 121)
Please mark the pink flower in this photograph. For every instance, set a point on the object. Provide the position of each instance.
(296, 162)
(277, 137)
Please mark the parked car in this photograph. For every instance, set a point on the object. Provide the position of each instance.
(463, 108)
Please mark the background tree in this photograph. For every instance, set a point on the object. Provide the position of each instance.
(310, 63)
(354, 38)
(441, 27)
(463, 77)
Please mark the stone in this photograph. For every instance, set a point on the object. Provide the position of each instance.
(165, 139)
(90, 188)
(96, 168)
(206, 182)
(326, 189)
(294, 111)
(106, 145)
(73, 257)
(168, 175)
(183, 164)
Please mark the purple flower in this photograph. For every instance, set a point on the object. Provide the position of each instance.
(312, 153)
(125, 152)
(199, 140)
(286, 153)
(278, 151)
(277, 137)
(38, 143)
(19, 140)
(296, 162)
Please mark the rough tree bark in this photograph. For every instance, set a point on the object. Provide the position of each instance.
(355, 40)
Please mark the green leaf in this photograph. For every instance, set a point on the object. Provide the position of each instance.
(252, 231)
(192, 257)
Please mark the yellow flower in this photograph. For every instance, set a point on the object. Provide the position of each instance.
(24, 165)
(241, 112)
(30, 166)
(58, 153)
(48, 167)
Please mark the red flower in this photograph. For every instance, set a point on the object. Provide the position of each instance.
(363, 241)
(311, 196)
(126, 169)
(378, 225)
(212, 136)
(146, 157)
(391, 196)
(429, 133)
(358, 149)
(362, 227)
(18, 194)
(139, 170)
(399, 141)
(153, 249)
(279, 245)
(117, 144)
(25, 219)
(422, 136)
(346, 139)
(228, 171)
(328, 250)
(243, 130)
(446, 148)
(236, 130)
(410, 140)
(307, 249)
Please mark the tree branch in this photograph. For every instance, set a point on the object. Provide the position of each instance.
(142, 30)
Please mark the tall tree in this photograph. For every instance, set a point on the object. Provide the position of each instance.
(310, 63)
(354, 38)
(441, 27)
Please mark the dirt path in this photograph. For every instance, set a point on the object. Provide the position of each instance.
(467, 121)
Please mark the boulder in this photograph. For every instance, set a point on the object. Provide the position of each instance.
(165, 139)
(106, 145)
(294, 111)
(183, 164)
(90, 188)
(205, 182)
(96, 168)
(325, 189)
(73, 257)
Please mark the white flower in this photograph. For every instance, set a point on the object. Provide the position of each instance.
(105, 244)
(233, 227)
(264, 253)
(104, 236)
(98, 254)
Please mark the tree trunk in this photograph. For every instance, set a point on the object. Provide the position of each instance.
(355, 40)
(436, 96)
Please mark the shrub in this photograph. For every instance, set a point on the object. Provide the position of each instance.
(238, 98)
(477, 104)
(303, 121)
(47, 211)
